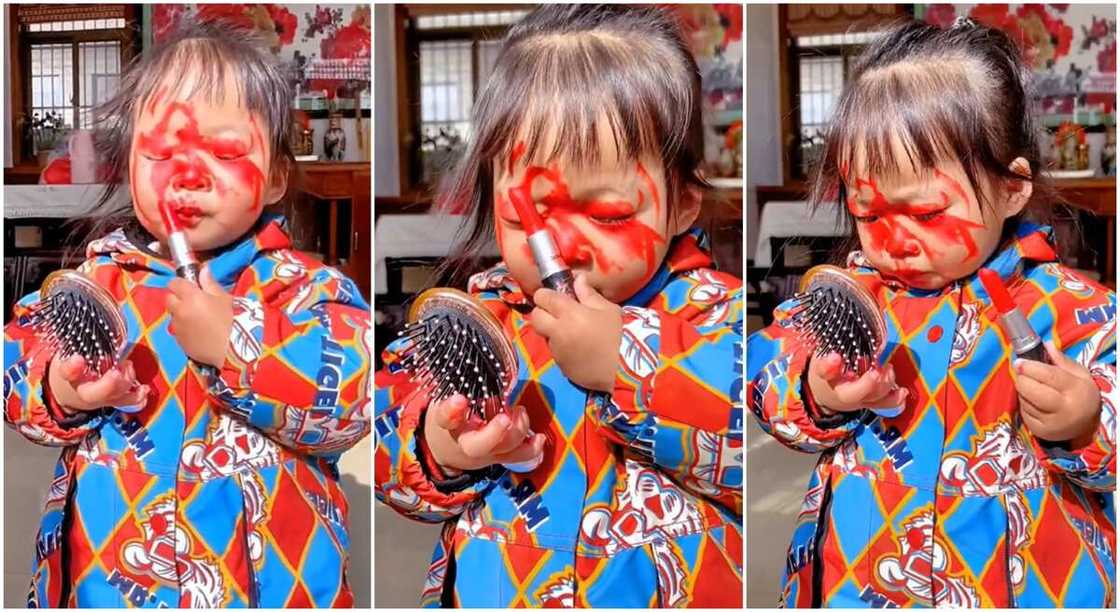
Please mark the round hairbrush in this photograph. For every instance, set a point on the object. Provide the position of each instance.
(836, 314)
(455, 345)
(76, 316)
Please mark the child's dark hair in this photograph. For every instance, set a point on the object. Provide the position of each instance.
(210, 49)
(960, 92)
(566, 68)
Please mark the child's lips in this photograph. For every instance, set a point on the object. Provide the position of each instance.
(188, 216)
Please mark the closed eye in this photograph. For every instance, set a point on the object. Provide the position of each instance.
(613, 220)
(866, 218)
(930, 216)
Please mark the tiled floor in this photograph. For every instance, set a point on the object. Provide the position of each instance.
(403, 548)
(776, 480)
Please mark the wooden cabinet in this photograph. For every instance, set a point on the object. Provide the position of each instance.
(333, 184)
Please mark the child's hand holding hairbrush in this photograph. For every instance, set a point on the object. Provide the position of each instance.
(458, 442)
(201, 318)
(1059, 403)
(77, 389)
(838, 390)
(583, 336)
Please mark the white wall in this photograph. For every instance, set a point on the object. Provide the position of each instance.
(763, 133)
(386, 167)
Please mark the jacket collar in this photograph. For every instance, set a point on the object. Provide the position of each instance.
(226, 265)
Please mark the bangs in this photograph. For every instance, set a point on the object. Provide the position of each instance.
(570, 98)
(260, 86)
(889, 123)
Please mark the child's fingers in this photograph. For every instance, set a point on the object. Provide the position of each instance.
(481, 442)
(588, 296)
(554, 302)
(871, 386)
(530, 450)
(1051, 376)
(1046, 398)
(893, 399)
(451, 413)
(516, 433)
(829, 368)
(111, 385)
(72, 368)
(181, 288)
(137, 397)
(1065, 363)
(208, 284)
(543, 322)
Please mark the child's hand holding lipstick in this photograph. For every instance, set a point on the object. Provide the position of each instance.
(583, 336)
(1059, 403)
(201, 318)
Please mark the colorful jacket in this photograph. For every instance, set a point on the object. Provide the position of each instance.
(638, 501)
(223, 490)
(953, 502)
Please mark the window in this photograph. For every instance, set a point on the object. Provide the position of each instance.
(822, 64)
(455, 54)
(70, 60)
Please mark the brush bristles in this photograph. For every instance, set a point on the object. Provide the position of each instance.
(72, 323)
(835, 322)
(447, 355)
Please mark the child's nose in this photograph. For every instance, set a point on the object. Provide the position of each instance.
(191, 175)
(902, 243)
(572, 243)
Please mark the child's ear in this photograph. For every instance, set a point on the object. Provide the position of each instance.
(277, 183)
(686, 211)
(1018, 191)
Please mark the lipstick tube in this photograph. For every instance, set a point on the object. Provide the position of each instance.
(186, 264)
(1025, 343)
(554, 271)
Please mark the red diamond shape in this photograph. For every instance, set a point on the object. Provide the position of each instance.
(292, 519)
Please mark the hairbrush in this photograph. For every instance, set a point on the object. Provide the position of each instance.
(836, 314)
(76, 316)
(456, 346)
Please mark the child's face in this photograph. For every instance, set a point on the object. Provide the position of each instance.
(209, 163)
(610, 222)
(927, 229)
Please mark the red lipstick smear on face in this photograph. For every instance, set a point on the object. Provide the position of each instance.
(887, 234)
(178, 159)
(635, 238)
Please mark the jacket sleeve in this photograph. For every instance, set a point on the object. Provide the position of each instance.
(301, 372)
(400, 480)
(677, 397)
(777, 394)
(1094, 465)
(28, 404)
